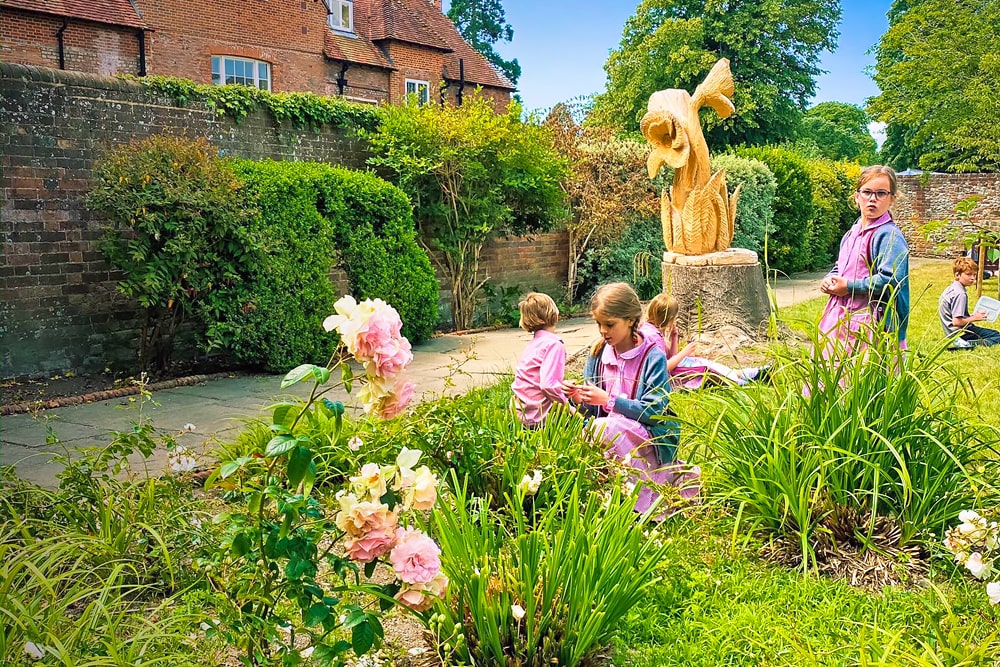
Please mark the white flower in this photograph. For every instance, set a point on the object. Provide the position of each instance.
(968, 516)
(306, 652)
(355, 443)
(979, 568)
(188, 428)
(34, 651)
(993, 591)
(518, 611)
(181, 460)
(529, 485)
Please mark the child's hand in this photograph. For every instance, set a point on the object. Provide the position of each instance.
(978, 316)
(572, 390)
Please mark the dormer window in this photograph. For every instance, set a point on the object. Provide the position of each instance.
(341, 15)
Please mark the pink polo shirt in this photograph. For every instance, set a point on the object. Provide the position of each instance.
(538, 377)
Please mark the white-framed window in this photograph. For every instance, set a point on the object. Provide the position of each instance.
(242, 71)
(341, 15)
(422, 90)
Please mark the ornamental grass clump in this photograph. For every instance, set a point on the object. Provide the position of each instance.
(851, 451)
(549, 589)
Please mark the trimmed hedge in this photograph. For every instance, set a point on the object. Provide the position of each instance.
(755, 209)
(788, 247)
(307, 213)
(640, 246)
(833, 210)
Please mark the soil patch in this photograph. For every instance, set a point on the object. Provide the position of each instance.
(27, 394)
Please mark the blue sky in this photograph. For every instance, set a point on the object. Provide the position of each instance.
(562, 46)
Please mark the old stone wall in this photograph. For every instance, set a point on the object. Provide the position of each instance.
(58, 306)
(927, 197)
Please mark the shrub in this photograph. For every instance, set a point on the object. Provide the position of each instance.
(273, 318)
(833, 212)
(309, 212)
(376, 238)
(174, 213)
(634, 257)
(473, 176)
(755, 210)
(788, 245)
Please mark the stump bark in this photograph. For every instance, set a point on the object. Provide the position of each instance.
(711, 296)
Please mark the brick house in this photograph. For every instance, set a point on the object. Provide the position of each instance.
(364, 50)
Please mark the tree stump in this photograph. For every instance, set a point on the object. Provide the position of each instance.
(718, 289)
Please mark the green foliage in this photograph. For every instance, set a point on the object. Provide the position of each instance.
(755, 209)
(788, 245)
(473, 176)
(307, 210)
(174, 215)
(848, 446)
(971, 230)
(840, 131)
(482, 23)
(378, 248)
(274, 316)
(275, 560)
(773, 49)
(302, 109)
(573, 572)
(937, 67)
(626, 259)
(833, 209)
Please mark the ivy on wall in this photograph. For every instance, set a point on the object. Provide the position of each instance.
(303, 109)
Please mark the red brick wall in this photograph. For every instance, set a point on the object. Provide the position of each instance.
(87, 47)
(58, 305)
(927, 197)
(414, 62)
(288, 34)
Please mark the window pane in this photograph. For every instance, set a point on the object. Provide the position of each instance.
(230, 67)
(262, 70)
(411, 87)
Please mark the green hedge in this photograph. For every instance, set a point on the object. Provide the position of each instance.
(307, 212)
(833, 211)
(788, 248)
(623, 260)
(755, 210)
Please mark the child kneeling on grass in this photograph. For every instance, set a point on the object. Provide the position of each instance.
(627, 393)
(953, 309)
(539, 374)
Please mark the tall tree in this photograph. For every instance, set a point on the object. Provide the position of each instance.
(840, 131)
(773, 47)
(937, 67)
(483, 23)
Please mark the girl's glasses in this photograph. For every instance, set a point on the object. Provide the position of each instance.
(878, 194)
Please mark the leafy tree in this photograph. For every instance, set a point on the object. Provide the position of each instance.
(607, 186)
(840, 131)
(483, 23)
(773, 47)
(937, 68)
(473, 176)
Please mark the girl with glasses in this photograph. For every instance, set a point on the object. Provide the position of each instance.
(870, 284)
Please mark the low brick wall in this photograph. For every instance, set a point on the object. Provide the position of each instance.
(58, 306)
(927, 197)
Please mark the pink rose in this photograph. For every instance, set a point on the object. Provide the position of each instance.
(370, 546)
(396, 400)
(415, 558)
(420, 598)
(360, 518)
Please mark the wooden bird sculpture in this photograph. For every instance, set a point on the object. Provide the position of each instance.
(698, 214)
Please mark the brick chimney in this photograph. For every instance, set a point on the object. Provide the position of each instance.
(436, 3)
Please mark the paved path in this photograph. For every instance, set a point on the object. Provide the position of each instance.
(445, 364)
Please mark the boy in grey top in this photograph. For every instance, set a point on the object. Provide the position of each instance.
(953, 309)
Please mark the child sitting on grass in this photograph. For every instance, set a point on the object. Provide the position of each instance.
(688, 371)
(539, 374)
(953, 309)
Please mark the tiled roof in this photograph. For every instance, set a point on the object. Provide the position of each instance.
(344, 48)
(478, 70)
(113, 12)
(403, 21)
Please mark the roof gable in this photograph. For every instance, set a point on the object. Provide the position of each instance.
(112, 12)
